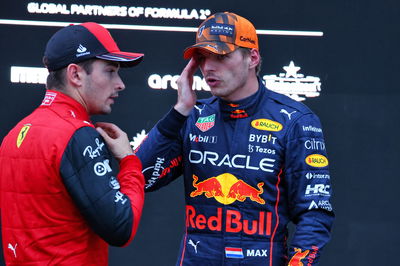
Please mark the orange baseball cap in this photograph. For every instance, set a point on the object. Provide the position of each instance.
(223, 33)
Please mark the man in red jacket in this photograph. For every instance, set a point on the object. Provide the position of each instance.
(61, 201)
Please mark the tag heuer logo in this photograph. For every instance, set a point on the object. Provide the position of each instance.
(205, 123)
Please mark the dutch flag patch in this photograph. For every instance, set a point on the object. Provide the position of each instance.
(234, 253)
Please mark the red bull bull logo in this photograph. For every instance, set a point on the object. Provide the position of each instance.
(240, 190)
(226, 189)
(210, 187)
(239, 113)
(298, 257)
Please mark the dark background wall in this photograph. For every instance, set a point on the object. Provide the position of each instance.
(357, 61)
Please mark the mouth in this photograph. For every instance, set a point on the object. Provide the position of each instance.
(113, 97)
(212, 81)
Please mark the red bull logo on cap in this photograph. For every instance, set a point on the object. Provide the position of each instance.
(226, 189)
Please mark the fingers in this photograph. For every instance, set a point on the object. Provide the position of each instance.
(186, 96)
(106, 125)
(191, 67)
(105, 136)
(117, 140)
(186, 77)
(111, 130)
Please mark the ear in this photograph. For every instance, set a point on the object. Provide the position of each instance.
(254, 58)
(75, 75)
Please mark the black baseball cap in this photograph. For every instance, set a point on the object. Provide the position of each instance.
(77, 43)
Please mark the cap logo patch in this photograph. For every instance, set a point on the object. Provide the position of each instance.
(201, 31)
(81, 51)
(212, 47)
(222, 29)
(246, 39)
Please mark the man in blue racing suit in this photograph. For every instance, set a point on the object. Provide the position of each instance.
(252, 160)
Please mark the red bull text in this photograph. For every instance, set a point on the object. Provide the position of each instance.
(229, 221)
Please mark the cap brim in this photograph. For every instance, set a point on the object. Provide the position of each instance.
(213, 47)
(124, 58)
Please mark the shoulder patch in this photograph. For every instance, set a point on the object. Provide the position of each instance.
(22, 134)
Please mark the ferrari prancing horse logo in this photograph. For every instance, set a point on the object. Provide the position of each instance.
(22, 134)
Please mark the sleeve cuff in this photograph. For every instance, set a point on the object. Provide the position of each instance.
(130, 159)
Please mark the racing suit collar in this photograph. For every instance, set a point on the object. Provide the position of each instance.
(243, 108)
(58, 101)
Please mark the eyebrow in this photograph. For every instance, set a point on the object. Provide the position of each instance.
(111, 63)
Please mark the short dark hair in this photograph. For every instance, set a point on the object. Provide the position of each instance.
(246, 52)
(56, 79)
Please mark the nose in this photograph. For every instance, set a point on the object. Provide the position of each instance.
(208, 64)
(120, 84)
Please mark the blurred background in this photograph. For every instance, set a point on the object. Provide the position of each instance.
(341, 58)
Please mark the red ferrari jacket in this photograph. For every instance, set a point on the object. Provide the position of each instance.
(62, 203)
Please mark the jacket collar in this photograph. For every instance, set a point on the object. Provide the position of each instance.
(243, 108)
(64, 105)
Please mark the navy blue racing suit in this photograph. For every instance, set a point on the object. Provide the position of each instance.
(249, 167)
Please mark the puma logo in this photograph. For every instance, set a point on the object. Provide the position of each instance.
(198, 108)
(14, 249)
(283, 111)
(193, 244)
